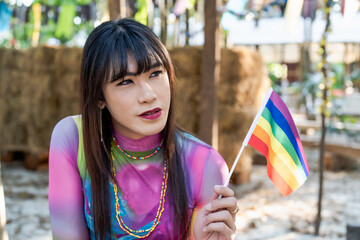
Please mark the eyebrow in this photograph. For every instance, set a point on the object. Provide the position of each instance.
(117, 76)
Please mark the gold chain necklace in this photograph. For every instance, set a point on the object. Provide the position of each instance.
(159, 212)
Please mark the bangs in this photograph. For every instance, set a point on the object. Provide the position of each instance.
(144, 51)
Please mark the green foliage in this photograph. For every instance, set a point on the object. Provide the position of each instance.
(64, 30)
(61, 2)
(277, 72)
(142, 13)
(339, 71)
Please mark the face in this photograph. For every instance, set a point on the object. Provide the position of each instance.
(138, 104)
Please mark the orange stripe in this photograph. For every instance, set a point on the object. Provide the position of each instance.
(275, 160)
(278, 181)
(274, 176)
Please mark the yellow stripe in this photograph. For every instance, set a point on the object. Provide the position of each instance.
(192, 223)
(275, 161)
(286, 166)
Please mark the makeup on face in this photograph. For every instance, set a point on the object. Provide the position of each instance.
(139, 102)
(151, 114)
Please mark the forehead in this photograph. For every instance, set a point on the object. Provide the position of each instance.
(132, 64)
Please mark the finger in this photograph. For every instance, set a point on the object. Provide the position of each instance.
(221, 216)
(228, 203)
(221, 228)
(223, 191)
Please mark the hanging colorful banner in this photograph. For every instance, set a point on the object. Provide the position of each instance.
(142, 12)
(5, 17)
(292, 13)
(65, 22)
(36, 8)
(233, 7)
(181, 6)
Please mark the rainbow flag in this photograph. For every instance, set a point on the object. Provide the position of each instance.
(273, 133)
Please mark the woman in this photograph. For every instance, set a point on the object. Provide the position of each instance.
(123, 170)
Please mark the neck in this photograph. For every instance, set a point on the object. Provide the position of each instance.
(139, 145)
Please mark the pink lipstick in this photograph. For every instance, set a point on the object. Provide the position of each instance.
(152, 114)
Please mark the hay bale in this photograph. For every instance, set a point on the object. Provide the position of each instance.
(12, 88)
(245, 75)
(241, 88)
(187, 103)
(243, 84)
(68, 60)
(233, 126)
(32, 89)
(187, 61)
(39, 86)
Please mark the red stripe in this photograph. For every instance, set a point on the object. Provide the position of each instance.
(278, 181)
(275, 177)
(259, 145)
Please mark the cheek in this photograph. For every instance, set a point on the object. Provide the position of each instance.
(116, 102)
(165, 92)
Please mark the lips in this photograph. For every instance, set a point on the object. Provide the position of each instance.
(151, 114)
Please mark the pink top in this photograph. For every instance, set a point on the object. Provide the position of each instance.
(139, 183)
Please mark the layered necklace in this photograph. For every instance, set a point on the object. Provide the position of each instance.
(145, 232)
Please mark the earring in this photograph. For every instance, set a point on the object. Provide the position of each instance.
(101, 131)
(101, 135)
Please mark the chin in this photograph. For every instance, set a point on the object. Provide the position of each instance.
(155, 129)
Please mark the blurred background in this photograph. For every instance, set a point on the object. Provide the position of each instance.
(226, 55)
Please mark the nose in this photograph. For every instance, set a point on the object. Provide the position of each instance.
(146, 93)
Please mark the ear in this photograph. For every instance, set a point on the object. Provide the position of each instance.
(101, 104)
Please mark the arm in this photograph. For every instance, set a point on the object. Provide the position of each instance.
(212, 217)
(66, 202)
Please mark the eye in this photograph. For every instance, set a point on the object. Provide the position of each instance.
(125, 82)
(156, 73)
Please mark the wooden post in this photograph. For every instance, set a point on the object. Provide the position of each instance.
(208, 129)
(163, 17)
(150, 8)
(117, 9)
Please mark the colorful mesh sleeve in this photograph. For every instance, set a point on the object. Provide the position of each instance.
(65, 186)
(207, 169)
(215, 173)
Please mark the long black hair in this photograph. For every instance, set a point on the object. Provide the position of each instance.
(104, 56)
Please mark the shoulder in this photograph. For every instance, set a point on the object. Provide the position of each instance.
(203, 165)
(189, 143)
(186, 139)
(197, 153)
(66, 131)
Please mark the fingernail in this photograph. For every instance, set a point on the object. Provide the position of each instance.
(204, 229)
(217, 187)
(208, 207)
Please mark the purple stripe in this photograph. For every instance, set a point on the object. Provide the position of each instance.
(278, 102)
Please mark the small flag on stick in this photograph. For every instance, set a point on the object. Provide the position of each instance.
(273, 134)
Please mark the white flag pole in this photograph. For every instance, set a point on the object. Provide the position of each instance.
(249, 133)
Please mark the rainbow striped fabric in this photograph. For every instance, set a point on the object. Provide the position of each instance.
(276, 137)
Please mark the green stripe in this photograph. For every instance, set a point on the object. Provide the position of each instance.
(280, 135)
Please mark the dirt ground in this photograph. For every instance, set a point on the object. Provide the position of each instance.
(264, 212)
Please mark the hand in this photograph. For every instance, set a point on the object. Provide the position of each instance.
(216, 220)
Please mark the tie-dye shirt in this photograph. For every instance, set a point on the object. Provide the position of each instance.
(139, 183)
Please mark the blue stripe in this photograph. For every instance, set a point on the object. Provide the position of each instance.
(281, 122)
